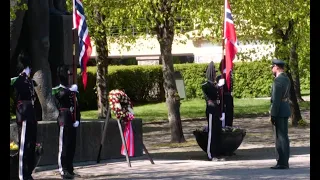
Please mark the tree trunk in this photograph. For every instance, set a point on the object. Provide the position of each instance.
(294, 106)
(38, 22)
(165, 34)
(294, 65)
(16, 36)
(102, 71)
(284, 53)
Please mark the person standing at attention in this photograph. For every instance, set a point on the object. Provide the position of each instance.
(280, 113)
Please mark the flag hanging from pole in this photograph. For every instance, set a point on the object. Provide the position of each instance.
(231, 47)
(79, 22)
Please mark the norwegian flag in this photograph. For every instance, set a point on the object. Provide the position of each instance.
(230, 42)
(79, 22)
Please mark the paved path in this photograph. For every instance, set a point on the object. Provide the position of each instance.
(252, 161)
(245, 165)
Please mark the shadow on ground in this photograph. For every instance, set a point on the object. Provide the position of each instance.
(216, 173)
(241, 154)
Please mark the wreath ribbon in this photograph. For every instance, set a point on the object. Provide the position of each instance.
(121, 106)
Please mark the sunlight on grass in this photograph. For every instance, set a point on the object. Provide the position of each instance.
(195, 108)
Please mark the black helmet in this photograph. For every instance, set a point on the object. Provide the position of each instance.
(63, 73)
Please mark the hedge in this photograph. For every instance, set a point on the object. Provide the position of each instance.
(144, 84)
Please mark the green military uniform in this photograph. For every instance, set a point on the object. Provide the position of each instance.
(280, 112)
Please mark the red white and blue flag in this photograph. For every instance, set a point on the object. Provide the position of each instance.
(231, 47)
(79, 22)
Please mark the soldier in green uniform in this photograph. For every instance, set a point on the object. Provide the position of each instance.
(280, 112)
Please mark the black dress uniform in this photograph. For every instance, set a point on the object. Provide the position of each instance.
(27, 124)
(227, 99)
(211, 94)
(227, 104)
(68, 121)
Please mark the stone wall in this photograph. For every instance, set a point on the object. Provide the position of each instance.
(88, 140)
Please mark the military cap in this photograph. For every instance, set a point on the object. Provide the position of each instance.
(278, 62)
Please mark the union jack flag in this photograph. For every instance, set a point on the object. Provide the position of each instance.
(231, 46)
(79, 22)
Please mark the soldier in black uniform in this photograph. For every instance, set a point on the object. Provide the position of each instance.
(25, 114)
(68, 121)
(227, 96)
(211, 93)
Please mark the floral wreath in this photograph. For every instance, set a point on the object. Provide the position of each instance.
(120, 105)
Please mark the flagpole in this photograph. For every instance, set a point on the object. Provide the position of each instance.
(74, 73)
(222, 59)
(223, 16)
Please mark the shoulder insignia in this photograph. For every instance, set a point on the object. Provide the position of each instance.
(13, 80)
(204, 83)
(56, 89)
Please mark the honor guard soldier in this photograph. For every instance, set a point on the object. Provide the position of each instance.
(25, 119)
(68, 121)
(227, 96)
(280, 113)
(211, 95)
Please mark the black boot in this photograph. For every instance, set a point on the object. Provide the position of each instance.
(67, 175)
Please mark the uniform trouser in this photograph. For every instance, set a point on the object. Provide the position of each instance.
(228, 100)
(27, 132)
(282, 140)
(67, 142)
(214, 132)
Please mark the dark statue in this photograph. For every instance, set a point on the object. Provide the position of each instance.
(30, 32)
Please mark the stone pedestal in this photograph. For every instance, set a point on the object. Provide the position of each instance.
(88, 140)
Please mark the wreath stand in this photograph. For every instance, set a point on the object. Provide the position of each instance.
(122, 138)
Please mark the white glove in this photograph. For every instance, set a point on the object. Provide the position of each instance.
(27, 70)
(130, 110)
(221, 82)
(76, 124)
(74, 88)
(222, 117)
(223, 120)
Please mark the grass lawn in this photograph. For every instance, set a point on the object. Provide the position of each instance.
(195, 108)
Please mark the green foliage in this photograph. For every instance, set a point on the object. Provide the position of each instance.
(195, 108)
(283, 22)
(302, 123)
(193, 76)
(137, 81)
(252, 79)
(15, 6)
(144, 83)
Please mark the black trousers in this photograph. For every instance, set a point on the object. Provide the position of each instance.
(214, 131)
(228, 101)
(27, 132)
(282, 141)
(67, 142)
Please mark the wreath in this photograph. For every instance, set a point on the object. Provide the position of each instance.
(120, 105)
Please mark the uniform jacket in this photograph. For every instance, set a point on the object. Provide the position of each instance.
(210, 91)
(64, 99)
(280, 96)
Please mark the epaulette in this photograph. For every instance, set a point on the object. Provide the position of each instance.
(204, 83)
(56, 89)
(13, 80)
